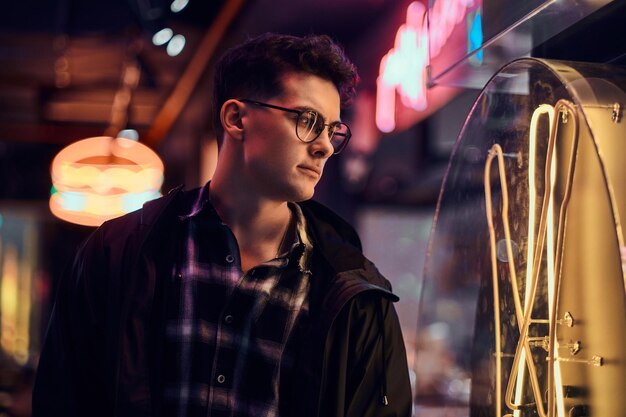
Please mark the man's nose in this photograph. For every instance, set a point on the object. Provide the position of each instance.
(322, 146)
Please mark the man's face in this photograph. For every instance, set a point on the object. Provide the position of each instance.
(278, 165)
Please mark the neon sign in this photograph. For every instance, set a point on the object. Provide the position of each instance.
(99, 178)
(403, 68)
(475, 36)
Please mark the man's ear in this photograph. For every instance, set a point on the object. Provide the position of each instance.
(231, 115)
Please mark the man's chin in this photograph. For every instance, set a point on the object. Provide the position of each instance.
(302, 195)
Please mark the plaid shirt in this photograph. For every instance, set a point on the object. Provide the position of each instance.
(229, 335)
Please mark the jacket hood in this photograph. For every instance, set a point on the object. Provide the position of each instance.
(340, 246)
(334, 238)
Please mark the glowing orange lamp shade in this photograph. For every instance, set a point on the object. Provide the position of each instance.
(97, 179)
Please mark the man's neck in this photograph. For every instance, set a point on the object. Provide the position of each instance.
(259, 224)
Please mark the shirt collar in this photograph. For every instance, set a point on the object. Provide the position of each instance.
(302, 245)
(200, 203)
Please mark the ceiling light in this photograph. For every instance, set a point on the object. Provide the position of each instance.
(162, 37)
(178, 5)
(176, 45)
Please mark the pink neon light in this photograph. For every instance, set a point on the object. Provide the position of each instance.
(385, 100)
(403, 68)
(445, 15)
(398, 68)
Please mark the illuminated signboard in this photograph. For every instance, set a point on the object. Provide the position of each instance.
(100, 178)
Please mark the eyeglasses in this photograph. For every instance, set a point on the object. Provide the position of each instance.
(310, 125)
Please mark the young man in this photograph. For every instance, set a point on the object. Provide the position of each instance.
(244, 297)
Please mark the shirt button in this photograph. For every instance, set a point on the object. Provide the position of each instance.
(230, 259)
(179, 275)
(221, 379)
(228, 319)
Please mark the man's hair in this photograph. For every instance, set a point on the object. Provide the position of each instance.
(254, 69)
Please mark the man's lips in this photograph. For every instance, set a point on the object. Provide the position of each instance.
(311, 169)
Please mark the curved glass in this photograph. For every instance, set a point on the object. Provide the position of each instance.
(523, 311)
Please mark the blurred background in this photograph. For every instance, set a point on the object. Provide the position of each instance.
(72, 70)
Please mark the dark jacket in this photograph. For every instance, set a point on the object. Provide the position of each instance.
(102, 350)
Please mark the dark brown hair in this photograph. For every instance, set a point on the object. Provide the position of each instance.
(254, 68)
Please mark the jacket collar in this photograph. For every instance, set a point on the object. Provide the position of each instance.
(334, 240)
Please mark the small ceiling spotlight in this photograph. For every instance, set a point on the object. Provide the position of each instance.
(176, 45)
(178, 5)
(162, 37)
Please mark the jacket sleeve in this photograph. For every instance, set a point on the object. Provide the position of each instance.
(69, 380)
(368, 373)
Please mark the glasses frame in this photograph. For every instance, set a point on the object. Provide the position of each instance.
(348, 134)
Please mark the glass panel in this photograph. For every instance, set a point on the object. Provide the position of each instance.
(523, 310)
(469, 40)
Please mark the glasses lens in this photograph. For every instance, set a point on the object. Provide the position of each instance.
(339, 136)
(310, 125)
